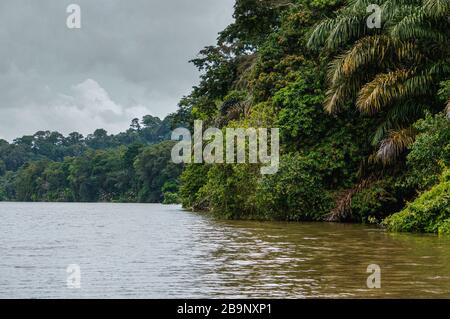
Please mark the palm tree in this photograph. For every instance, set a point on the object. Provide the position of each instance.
(391, 72)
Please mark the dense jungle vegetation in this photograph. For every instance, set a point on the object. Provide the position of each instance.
(363, 115)
(133, 166)
(363, 112)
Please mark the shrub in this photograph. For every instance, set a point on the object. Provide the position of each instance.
(192, 179)
(230, 190)
(375, 202)
(430, 212)
(296, 192)
(430, 151)
(170, 198)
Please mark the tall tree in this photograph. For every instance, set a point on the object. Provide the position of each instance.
(390, 72)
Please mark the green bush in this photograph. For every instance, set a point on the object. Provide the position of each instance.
(155, 171)
(230, 190)
(430, 212)
(192, 179)
(375, 202)
(295, 193)
(170, 198)
(430, 152)
(301, 118)
(444, 227)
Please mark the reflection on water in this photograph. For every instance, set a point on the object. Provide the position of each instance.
(155, 251)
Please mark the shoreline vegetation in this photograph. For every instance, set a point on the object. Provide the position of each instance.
(363, 113)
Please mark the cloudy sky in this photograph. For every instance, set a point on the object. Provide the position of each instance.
(130, 58)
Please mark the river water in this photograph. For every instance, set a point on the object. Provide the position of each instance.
(156, 251)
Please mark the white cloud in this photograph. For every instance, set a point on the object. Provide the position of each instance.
(137, 51)
(88, 106)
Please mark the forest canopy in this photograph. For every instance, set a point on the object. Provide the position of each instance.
(133, 166)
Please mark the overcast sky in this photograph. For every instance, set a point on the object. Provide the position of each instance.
(130, 58)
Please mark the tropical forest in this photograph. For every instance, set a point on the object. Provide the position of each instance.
(360, 92)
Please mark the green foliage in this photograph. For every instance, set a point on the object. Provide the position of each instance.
(277, 84)
(322, 4)
(230, 190)
(192, 179)
(283, 56)
(48, 166)
(444, 92)
(7, 191)
(170, 198)
(430, 212)
(53, 146)
(430, 152)
(27, 181)
(253, 20)
(391, 72)
(154, 169)
(2, 168)
(376, 202)
(170, 192)
(301, 118)
(125, 174)
(265, 71)
(295, 193)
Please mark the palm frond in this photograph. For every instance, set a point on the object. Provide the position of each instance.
(388, 70)
(389, 87)
(335, 98)
(346, 27)
(380, 91)
(394, 145)
(320, 34)
(399, 115)
(415, 31)
(440, 68)
(393, 11)
(348, 24)
(377, 50)
(344, 91)
(437, 8)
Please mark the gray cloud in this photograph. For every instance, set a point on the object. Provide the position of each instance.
(128, 59)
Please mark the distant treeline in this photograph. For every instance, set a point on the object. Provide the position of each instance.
(133, 166)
